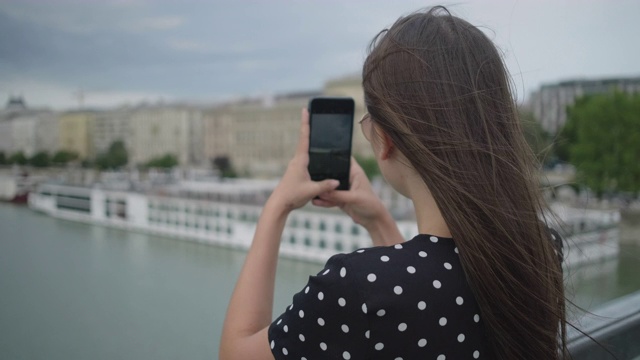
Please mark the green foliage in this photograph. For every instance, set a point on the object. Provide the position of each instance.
(115, 157)
(224, 166)
(603, 141)
(167, 161)
(18, 158)
(40, 159)
(538, 139)
(3, 158)
(62, 157)
(369, 165)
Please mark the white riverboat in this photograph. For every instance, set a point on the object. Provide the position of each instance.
(225, 213)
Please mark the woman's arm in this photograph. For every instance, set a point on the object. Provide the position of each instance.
(364, 207)
(244, 334)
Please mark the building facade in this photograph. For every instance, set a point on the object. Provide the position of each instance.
(260, 135)
(549, 104)
(109, 127)
(160, 130)
(75, 132)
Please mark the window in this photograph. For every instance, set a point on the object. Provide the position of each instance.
(338, 228)
(323, 226)
(355, 230)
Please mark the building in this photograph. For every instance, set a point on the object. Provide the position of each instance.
(75, 132)
(165, 129)
(549, 104)
(109, 127)
(27, 130)
(260, 135)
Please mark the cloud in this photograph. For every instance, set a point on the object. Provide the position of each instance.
(162, 23)
(43, 94)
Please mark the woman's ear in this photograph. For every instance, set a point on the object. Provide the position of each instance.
(387, 145)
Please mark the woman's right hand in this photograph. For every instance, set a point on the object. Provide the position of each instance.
(363, 206)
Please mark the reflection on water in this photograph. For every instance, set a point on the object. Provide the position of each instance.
(89, 292)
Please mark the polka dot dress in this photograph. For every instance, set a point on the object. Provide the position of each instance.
(408, 301)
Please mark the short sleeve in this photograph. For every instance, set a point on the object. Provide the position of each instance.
(326, 319)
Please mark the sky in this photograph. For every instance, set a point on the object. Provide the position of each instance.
(118, 52)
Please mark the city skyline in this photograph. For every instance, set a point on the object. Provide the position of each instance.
(132, 51)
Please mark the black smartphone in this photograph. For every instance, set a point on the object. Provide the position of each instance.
(331, 132)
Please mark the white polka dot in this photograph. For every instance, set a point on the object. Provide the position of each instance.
(345, 328)
(301, 337)
(459, 300)
(381, 312)
(285, 351)
(342, 302)
(422, 342)
(447, 266)
(360, 251)
(343, 272)
(291, 307)
(320, 295)
(476, 354)
(443, 321)
(422, 305)
(273, 344)
(436, 284)
(411, 270)
(461, 338)
(321, 321)
(402, 327)
(384, 258)
(326, 272)
(279, 321)
(303, 358)
(346, 355)
(476, 318)
(364, 308)
(306, 290)
(371, 277)
(285, 328)
(441, 357)
(323, 346)
(398, 246)
(379, 346)
(433, 239)
(301, 314)
(367, 334)
(422, 254)
(455, 250)
(398, 358)
(397, 290)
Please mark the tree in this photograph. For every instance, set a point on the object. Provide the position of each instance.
(603, 133)
(167, 161)
(62, 157)
(18, 158)
(224, 166)
(115, 157)
(40, 159)
(369, 165)
(3, 158)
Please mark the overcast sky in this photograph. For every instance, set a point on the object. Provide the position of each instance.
(202, 51)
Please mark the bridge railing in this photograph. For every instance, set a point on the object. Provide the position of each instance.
(616, 328)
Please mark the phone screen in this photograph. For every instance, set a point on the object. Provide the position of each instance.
(330, 147)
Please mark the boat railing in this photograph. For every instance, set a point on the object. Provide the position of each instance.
(615, 327)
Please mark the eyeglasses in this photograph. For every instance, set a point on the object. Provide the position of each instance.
(365, 132)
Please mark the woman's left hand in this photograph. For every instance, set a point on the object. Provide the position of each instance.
(296, 187)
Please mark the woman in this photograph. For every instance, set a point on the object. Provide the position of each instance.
(481, 280)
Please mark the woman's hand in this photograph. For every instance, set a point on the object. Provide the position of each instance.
(364, 207)
(296, 187)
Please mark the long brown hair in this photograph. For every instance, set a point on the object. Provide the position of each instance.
(439, 88)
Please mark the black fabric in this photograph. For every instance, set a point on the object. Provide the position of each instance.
(409, 301)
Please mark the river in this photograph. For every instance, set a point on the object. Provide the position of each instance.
(78, 291)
